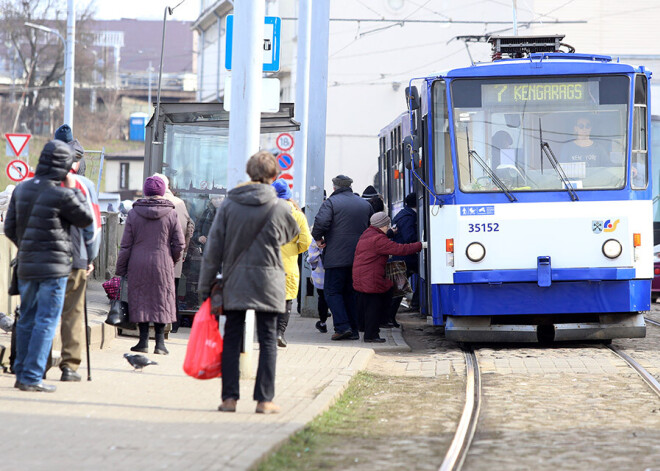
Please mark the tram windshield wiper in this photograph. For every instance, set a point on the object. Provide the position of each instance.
(545, 149)
(489, 171)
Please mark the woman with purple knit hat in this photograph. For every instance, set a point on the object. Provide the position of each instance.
(152, 243)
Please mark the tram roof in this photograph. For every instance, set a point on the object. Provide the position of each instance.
(544, 64)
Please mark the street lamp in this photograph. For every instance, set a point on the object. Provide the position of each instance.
(154, 140)
(68, 58)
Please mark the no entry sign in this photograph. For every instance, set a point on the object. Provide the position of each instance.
(289, 179)
(17, 170)
(285, 161)
(284, 142)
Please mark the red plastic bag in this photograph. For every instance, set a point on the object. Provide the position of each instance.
(204, 352)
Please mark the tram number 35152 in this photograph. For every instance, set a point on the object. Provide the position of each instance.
(490, 227)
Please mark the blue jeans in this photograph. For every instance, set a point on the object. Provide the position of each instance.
(41, 308)
(340, 296)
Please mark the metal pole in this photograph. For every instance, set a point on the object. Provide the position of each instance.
(154, 141)
(149, 78)
(247, 64)
(69, 77)
(245, 115)
(89, 365)
(318, 103)
(302, 92)
(515, 17)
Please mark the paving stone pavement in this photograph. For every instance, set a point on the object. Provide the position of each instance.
(162, 419)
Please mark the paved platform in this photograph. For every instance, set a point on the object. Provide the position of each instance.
(163, 419)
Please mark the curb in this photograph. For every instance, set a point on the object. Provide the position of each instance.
(321, 403)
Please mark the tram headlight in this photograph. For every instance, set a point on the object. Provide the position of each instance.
(612, 248)
(475, 252)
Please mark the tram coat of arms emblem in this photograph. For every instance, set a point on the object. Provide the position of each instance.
(597, 226)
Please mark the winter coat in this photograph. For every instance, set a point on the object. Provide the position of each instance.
(187, 226)
(203, 225)
(406, 224)
(316, 264)
(371, 254)
(151, 244)
(341, 220)
(86, 241)
(257, 281)
(291, 250)
(42, 234)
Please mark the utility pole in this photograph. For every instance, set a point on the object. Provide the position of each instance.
(149, 70)
(302, 94)
(245, 116)
(318, 104)
(69, 76)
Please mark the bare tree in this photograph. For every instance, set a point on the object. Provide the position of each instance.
(39, 54)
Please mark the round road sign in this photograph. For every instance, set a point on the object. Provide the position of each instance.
(17, 170)
(285, 161)
(284, 141)
(289, 179)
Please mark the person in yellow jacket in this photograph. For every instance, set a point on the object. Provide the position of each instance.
(290, 253)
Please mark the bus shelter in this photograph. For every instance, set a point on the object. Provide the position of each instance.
(192, 150)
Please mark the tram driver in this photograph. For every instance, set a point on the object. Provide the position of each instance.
(583, 148)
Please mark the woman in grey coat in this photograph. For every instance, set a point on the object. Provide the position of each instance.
(244, 244)
(152, 243)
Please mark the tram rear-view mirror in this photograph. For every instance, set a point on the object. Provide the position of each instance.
(410, 151)
(512, 120)
(412, 97)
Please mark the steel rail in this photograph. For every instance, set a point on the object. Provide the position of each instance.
(651, 321)
(646, 376)
(467, 426)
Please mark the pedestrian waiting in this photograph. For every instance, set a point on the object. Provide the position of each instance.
(152, 243)
(38, 219)
(373, 289)
(85, 243)
(338, 225)
(244, 245)
(318, 275)
(290, 252)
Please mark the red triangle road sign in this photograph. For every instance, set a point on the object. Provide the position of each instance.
(17, 142)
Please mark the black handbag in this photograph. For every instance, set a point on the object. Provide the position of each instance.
(118, 315)
(13, 284)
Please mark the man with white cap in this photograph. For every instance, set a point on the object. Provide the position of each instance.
(341, 220)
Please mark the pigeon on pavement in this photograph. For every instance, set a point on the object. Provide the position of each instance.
(138, 361)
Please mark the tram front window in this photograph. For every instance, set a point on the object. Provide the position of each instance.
(501, 124)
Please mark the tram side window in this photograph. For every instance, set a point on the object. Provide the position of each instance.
(443, 174)
(639, 152)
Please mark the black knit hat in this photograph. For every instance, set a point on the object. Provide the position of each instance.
(64, 133)
(369, 192)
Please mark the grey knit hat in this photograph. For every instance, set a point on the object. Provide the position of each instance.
(342, 181)
(380, 219)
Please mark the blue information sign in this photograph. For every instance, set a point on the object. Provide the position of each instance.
(272, 32)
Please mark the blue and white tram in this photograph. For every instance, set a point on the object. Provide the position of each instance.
(532, 176)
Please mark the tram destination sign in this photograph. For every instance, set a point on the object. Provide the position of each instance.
(539, 92)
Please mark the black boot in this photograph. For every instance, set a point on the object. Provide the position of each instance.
(160, 339)
(143, 345)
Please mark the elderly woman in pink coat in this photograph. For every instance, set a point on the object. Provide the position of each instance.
(151, 245)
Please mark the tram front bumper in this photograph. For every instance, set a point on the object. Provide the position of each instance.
(485, 329)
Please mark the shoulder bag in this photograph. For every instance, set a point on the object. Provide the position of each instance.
(216, 287)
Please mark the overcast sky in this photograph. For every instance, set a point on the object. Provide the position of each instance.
(149, 9)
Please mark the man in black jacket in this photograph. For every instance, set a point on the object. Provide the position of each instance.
(40, 214)
(338, 225)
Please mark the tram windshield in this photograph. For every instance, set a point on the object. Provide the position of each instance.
(501, 127)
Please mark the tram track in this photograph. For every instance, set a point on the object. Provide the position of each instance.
(467, 425)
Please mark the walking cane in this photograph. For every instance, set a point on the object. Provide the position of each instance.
(89, 367)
